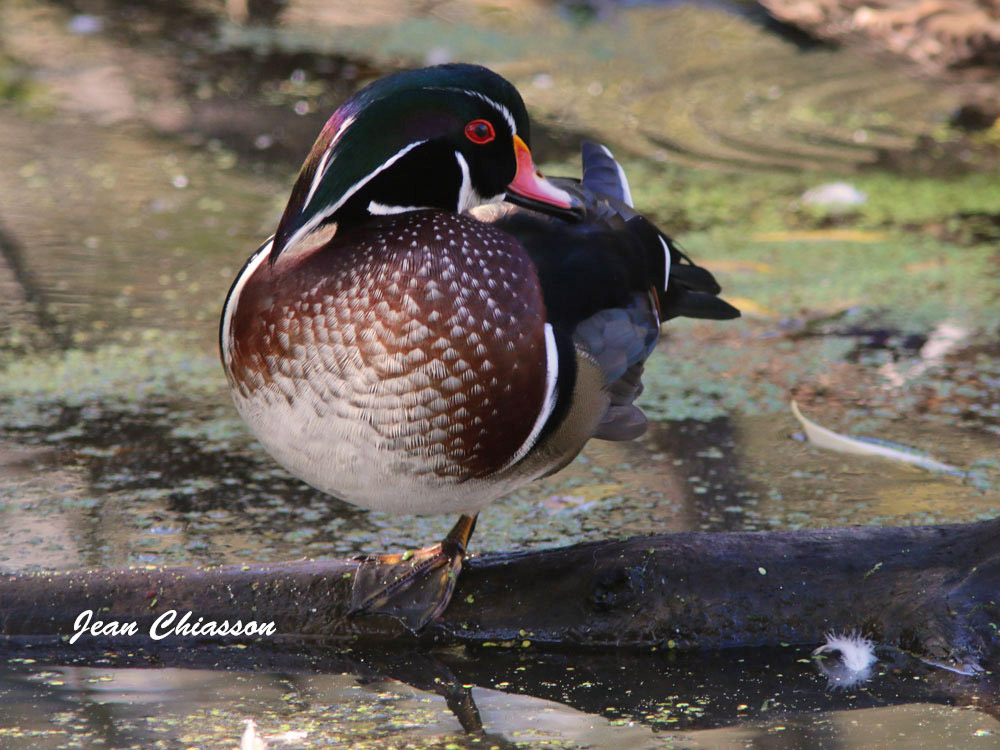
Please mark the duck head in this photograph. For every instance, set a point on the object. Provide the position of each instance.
(450, 137)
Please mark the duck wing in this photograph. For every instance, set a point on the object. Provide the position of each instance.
(608, 281)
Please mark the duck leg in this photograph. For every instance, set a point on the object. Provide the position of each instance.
(414, 587)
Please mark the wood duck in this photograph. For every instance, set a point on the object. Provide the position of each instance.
(434, 323)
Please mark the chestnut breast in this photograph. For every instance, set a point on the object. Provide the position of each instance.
(426, 326)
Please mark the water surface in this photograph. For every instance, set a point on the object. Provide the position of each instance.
(146, 161)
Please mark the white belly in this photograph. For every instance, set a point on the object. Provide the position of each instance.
(337, 451)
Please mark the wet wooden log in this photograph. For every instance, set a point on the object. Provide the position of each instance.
(932, 590)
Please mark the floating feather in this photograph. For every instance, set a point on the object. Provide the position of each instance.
(856, 655)
(824, 438)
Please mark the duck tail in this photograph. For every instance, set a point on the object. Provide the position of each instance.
(682, 288)
(690, 291)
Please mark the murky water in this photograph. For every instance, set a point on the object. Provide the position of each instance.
(138, 176)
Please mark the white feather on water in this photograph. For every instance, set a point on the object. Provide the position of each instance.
(856, 657)
(834, 441)
(857, 653)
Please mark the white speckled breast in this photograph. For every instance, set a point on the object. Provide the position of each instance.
(399, 366)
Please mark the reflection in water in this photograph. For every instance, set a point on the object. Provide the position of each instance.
(82, 248)
(27, 322)
(303, 697)
(38, 531)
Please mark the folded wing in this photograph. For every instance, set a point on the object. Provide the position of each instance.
(608, 282)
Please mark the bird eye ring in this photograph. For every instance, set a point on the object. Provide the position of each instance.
(480, 131)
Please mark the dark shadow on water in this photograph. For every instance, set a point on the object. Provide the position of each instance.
(716, 485)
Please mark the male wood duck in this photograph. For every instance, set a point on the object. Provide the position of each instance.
(434, 324)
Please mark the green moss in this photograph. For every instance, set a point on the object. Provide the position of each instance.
(913, 281)
(142, 365)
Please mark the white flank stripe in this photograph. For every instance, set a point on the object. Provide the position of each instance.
(234, 297)
(666, 262)
(321, 169)
(551, 375)
(622, 179)
(330, 210)
(383, 209)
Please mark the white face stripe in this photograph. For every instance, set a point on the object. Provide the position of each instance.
(548, 404)
(666, 262)
(467, 196)
(317, 177)
(505, 113)
(323, 163)
(330, 210)
(622, 180)
(234, 297)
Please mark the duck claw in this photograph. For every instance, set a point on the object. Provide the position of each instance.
(413, 587)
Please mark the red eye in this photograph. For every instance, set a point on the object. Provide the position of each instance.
(480, 131)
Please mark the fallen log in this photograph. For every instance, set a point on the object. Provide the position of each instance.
(929, 590)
